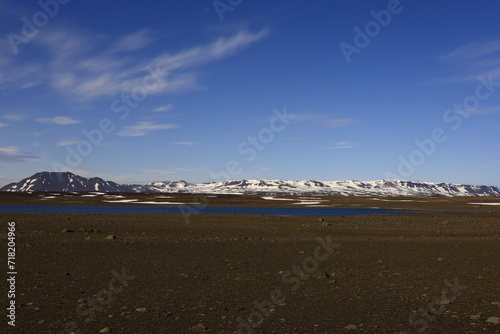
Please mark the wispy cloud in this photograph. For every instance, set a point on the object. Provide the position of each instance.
(486, 166)
(466, 63)
(67, 142)
(143, 128)
(89, 67)
(187, 169)
(265, 168)
(342, 145)
(479, 111)
(184, 143)
(9, 150)
(11, 154)
(301, 138)
(134, 41)
(155, 171)
(2, 125)
(60, 120)
(165, 108)
(338, 122)
(473, 51)
(14, 117)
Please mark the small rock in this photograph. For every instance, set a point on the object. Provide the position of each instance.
(493, 320)
(141, 309)
(475, 316)
(111, 237)
(444, 301)
(67, 230)
(351, 327)
(104, 330)
(199, 328)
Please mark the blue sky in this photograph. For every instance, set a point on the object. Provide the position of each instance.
(204, 91)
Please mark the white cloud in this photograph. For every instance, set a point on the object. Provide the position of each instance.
(342, 145)
(301, 137)
(155, 171)
(134, 41)
(165, 108)
(92, 67)
(265, 168)
(143, 128)
(339, 122)
(14, 117)
(479, 111)
(67, 142)
(9, 150)
(2, 125)
(473, 50)
(60, 120)
(469, 62)
(184, 143)
(187, 169)
(11, 154)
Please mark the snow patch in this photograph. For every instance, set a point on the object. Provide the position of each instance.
(484, 203)
(277, 199)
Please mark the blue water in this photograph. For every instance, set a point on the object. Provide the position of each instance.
(211, 210)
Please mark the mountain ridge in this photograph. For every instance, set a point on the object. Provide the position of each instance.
(69, 182)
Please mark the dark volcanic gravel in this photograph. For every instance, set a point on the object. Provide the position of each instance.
(221, 274)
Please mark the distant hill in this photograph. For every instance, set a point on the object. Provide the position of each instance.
(66, 182)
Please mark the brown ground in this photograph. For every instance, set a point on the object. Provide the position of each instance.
(202, 276)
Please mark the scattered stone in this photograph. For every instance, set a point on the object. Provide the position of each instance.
(104, 330)
(353, 327)
(111, 237)
(199, 328)
(67, 230)
(141, 309)
(445, 301)
(475, 316)
(493, 320)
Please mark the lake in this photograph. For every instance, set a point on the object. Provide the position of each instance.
(211, 210)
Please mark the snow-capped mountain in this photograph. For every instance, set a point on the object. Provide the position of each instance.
(65, 182)
(331, 188)
(51, 181)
